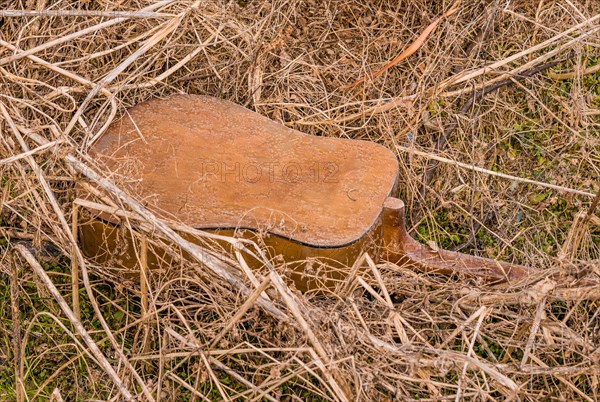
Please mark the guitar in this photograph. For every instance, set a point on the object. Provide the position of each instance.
(315, 203)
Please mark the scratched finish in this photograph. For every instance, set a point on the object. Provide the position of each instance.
(214, 164)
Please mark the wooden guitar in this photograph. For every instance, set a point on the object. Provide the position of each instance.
(317, 203)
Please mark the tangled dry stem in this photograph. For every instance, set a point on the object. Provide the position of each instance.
(212, 329)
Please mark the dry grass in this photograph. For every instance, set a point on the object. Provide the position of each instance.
(68, 72)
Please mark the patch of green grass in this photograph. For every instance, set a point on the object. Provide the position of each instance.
(450, 233)
(47, 346)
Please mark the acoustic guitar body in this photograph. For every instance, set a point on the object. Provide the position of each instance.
(315, 203)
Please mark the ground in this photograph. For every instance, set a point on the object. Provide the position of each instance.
(404, 335)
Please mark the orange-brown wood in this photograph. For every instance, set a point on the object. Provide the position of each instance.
(214, 164)
(218, 166)
(402, 248)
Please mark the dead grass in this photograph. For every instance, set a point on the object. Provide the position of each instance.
(68, 72)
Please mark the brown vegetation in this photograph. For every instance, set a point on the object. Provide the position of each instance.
(517, 173)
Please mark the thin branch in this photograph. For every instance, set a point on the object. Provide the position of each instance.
(474, 168)
(82, 13)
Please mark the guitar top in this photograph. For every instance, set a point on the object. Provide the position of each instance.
(213, 164)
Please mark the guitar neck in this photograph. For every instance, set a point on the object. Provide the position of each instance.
(402, 249)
